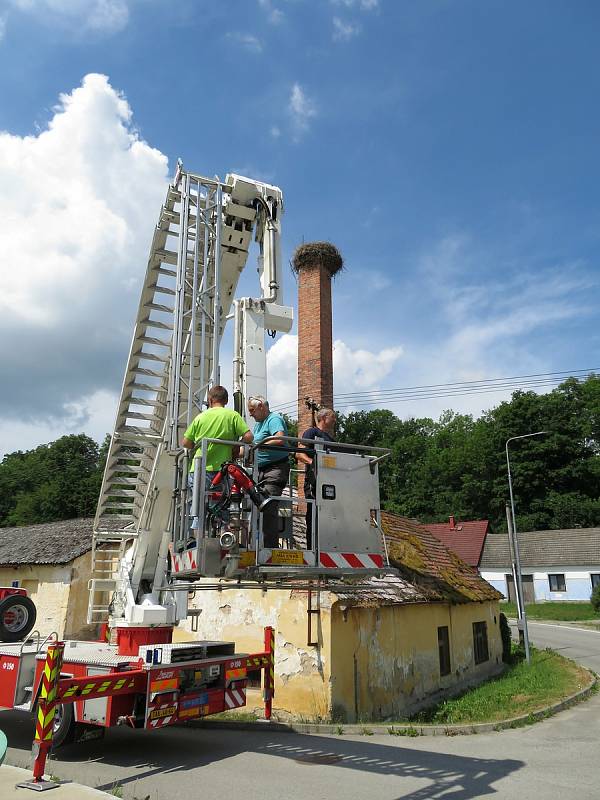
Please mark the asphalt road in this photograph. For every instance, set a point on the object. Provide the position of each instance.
(557, 758)
(580, 644)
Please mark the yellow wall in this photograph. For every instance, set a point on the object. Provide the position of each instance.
(302, 672)
(372, 662)
(385, 661)
(59, 592)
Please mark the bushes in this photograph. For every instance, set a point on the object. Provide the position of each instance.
(506, 635)
(595, 598)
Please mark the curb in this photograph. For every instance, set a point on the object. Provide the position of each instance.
(395, 729)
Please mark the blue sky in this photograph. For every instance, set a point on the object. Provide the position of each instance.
(449, 149)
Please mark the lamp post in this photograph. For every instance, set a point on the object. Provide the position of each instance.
(517, 565)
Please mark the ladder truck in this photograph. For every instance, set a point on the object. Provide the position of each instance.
(155, 539)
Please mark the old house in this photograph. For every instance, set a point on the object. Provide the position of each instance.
(52, 561)
(368, 654)
(555, 565)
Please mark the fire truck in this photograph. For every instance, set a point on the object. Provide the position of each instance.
(157, 535)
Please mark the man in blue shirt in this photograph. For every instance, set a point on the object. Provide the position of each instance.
(273, 462)
(323, 431)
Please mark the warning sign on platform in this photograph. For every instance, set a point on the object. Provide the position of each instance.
(162, 712)
(287, 557)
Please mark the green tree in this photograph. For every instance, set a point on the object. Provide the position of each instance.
(60, 480)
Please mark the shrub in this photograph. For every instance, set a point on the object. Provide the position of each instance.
(506, 635)
(595, 598)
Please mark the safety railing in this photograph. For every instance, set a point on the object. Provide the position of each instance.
(195, 516)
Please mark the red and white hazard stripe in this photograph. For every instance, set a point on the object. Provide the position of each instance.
(353, 560)
(161, 721)
(183, 562)
(234, 697)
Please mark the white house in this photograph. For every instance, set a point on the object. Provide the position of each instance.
(556, 565)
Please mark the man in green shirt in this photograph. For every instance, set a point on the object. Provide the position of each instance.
(217, 422)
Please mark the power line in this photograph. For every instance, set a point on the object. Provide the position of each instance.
(453, 389)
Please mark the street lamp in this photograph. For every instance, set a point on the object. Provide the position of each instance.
(519, 581)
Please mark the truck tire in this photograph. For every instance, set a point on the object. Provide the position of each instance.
(64, 725)
(17, 617)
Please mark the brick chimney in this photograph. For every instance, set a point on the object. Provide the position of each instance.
(315, 264)
(452, 523)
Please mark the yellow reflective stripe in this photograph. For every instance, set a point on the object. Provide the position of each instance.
(121, 683)
(104, 686)
(70, 691)
(45, 719)
(88, 688)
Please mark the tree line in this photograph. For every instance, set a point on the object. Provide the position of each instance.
(455, 465)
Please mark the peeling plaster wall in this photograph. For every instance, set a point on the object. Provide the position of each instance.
(48, 587)
(302, 673)
(385, 661)
(372, 663)
(60, 593)
(76, 626)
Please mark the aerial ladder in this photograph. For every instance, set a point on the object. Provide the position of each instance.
(146, 555)
(143, 560)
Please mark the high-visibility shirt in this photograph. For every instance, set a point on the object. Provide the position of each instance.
(216, 423)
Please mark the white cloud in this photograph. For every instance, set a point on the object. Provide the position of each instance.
(274, 15)
(79, 202)
(489, 318)
(353, 370)
(107, 16)
(357, 370)
(301, 110)
(275, 132)
(363, 5)
(344, 31)
(93, 415)
(250, 43)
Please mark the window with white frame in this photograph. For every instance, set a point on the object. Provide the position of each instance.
(557, 583)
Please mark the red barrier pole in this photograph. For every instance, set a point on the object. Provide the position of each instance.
(44, 724)
(269, 671)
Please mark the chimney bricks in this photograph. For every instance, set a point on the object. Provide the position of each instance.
(315, 263)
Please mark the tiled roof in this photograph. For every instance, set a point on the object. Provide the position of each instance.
(465, 538)
(48, 543)
(428, 571)
(577, 547)
(423, 559)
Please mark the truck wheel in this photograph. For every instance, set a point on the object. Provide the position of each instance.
(17, 617)
(64, 725)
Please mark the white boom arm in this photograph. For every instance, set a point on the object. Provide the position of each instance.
(212, 224)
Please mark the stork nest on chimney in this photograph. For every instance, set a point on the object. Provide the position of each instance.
(318, 254)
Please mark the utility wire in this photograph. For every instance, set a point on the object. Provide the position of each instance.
(454, 389)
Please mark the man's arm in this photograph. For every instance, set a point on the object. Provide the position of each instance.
(189, 444)
(247, 438)
(304, 458)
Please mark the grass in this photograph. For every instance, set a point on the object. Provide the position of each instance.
(562, 612)
(520, 690)
(409, 731)
(231, 716)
